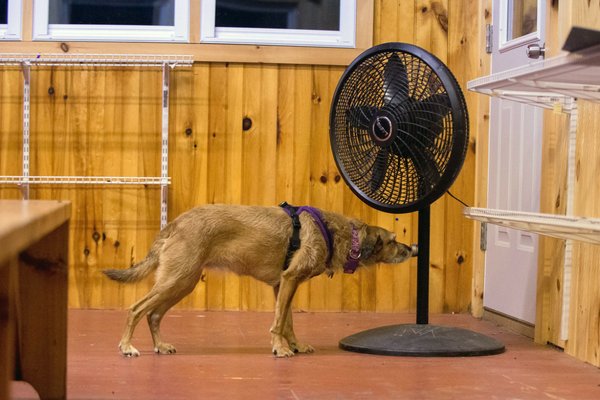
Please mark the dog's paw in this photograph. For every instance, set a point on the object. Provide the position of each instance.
(165, 348)
(128, 350)
(282, 352)
(302, 348)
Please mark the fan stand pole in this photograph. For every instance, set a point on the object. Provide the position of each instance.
(423, 267)
(422, 339)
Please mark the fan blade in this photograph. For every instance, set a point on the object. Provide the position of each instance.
(360, 116)
(427, 171)
(439, 103)
(429, 114)
(379, 169)
(395, 82)
(420, 164)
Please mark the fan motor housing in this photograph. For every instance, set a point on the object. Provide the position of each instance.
(384, 128)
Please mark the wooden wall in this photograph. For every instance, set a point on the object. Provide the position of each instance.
(584, 322)
(553, 200)
(106, 121)
(584, 312)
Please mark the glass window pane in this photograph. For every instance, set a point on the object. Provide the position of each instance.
(112, 12)
(522, 18)
(3, 11)
(276, 14)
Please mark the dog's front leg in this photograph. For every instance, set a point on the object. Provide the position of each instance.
(285, 294)
(288, 332)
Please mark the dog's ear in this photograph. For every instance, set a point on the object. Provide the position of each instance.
(371, 244)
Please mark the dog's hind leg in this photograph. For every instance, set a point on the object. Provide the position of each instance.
(156, 315)
(136, 312)
(163, 295)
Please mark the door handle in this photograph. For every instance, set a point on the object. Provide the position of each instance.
(535, 51)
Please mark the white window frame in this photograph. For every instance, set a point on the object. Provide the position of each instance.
(345, 37)
(12, 29)
(42, 30)
(509, 44)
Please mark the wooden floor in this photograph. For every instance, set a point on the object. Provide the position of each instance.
(226, 355)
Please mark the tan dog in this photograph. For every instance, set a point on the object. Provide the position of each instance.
(250, 241)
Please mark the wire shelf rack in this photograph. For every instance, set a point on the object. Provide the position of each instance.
(97, 60)
(28, 62)
(85, 180)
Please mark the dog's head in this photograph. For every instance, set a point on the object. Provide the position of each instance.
(380, 246)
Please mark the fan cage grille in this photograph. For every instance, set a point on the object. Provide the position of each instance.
(413, 164)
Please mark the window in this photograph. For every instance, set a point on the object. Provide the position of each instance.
(524, 18)
(112, 20)
(10, 19)
(327, 23)
(4, 12)
(519, 22)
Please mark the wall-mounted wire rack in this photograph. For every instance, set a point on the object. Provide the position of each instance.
(29, 61)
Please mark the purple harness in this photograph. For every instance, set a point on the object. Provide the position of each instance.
(294, 212)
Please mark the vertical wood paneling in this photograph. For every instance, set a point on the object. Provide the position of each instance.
(234, 155)
(584, 324)
(368, 276)
(384, 278)
(107, 122)
(81, 119)
(319, 293)
(335, 190)
(584, 317)
(463, 44)
(301, 161)
(145, 136)
(386, 21)
(264, 297)
(216, 171)
(260, 144)
(479, 117)
(584, 321)
(188, 161)
(286, 132)
(553, 200)
(251, 156)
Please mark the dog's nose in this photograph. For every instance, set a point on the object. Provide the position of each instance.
(409, 251)
(414, 248)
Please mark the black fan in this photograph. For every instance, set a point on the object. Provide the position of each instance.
(399, 135)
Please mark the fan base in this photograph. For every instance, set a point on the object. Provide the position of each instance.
(421, 340)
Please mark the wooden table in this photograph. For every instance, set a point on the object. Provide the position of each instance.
(33, 295)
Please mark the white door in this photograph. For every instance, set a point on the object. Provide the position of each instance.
(514, 165)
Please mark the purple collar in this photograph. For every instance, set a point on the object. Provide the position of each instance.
(318, 218)
(354, 254)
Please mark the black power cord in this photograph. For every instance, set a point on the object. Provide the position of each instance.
(457, 199)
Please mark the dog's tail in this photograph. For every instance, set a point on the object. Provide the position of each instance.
(140, 270)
